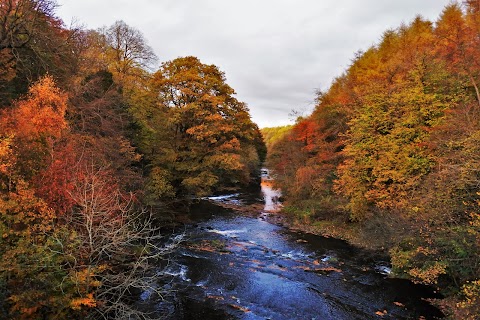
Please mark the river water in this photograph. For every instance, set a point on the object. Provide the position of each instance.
(243, 266)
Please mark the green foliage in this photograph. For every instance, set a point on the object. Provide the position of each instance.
(158, 186)
(274, 134)
(386, 154)
(393, 147)
(39, 285)
(194, 128)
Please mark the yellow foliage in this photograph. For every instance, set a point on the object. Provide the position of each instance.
(43, 112)
(231, 145)
(6, 156)
(469, 307)
(86, 277)
(428, 275)
(87, 301)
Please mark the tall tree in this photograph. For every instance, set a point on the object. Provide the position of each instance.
(30, 130)
(459, 43)
(127, 51)
(32, 43)
(197, 135)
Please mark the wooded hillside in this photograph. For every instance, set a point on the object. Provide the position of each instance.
(390, 156)
(93, 141)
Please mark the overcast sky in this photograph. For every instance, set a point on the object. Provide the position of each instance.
(275, 53)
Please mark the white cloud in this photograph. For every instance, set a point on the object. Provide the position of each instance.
(275, 53)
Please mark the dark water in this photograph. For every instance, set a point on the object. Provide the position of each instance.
(239, 267)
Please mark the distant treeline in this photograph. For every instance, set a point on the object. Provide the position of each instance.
(274, 134)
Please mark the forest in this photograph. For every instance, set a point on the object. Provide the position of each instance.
(389, 158)
(95, 147)
(100, 145)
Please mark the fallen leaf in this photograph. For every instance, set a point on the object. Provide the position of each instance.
(234, 306)
(381, 313)
(327, 270)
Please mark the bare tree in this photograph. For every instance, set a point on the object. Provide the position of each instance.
(128, 50)
(118, 248)
(20, 20)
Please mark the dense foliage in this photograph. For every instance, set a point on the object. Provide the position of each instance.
(389, 158)
(274, 134)
(89, 139)
(197, 137)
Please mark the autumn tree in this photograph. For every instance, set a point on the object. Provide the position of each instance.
(34, 125)
(196, 135)
(32, 43)
(112, 247)
(127, 52)
(385, 146)
(90, 50)
(29, 132)
(306, 158)
(458, 43)
(390, 154)
(100, 117)
(75, 240)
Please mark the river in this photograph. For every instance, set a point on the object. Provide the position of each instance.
(233, 265)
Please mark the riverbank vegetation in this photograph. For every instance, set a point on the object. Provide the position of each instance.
(389, 158)
(93, 140)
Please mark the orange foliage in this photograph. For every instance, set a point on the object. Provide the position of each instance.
(42, 113)
(56, 182)
(87, 301)
(306, 132)
(392, 149)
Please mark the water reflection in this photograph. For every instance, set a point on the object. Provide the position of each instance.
(271, 196)
(243, 267)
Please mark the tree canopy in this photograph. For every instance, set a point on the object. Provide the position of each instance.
(197, 135)
(92, 144)
(389, 153)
